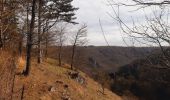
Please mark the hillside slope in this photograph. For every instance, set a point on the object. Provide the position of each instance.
(50, 82)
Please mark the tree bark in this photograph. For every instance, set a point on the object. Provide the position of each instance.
(22, 92)
(1, 24)
(39, 32)
(1, 43)
(29, 40)
(59, 55)
(46, 39)
(72, 57)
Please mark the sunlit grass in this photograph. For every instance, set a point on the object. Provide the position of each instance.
(21, 64)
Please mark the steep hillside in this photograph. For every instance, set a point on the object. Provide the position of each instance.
(50, 82)
(146, 78)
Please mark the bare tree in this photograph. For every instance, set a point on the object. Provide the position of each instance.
(61, 39)
(50, 13)
(154, 30)
(39, 30)
(8, 22)
(29, 39)
(79, 39)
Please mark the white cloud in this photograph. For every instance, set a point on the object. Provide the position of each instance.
(90, 11)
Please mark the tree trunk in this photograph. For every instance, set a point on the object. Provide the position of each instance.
(1, 23)
(72, 57)
(46, 39)
(39, 32)
(59, 55)
(46, 48)
(1, 43)
(29, 40)
(22, 92)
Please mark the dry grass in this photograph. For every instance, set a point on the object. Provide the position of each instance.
(7, 70)
(20, 65)
(48, 75)
(45, 76)
(3, 57)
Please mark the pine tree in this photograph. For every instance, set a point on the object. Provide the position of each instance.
(52, 12)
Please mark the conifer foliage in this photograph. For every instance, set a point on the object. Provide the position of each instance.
(28, 22)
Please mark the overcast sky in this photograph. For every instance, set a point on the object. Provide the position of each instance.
(90, 11)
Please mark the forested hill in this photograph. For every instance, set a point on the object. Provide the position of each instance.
(105, 58)
(148, 78)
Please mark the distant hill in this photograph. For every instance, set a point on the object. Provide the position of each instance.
(108, 59)
(147, 78)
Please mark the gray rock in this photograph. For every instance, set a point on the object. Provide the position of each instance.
(52, 89)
